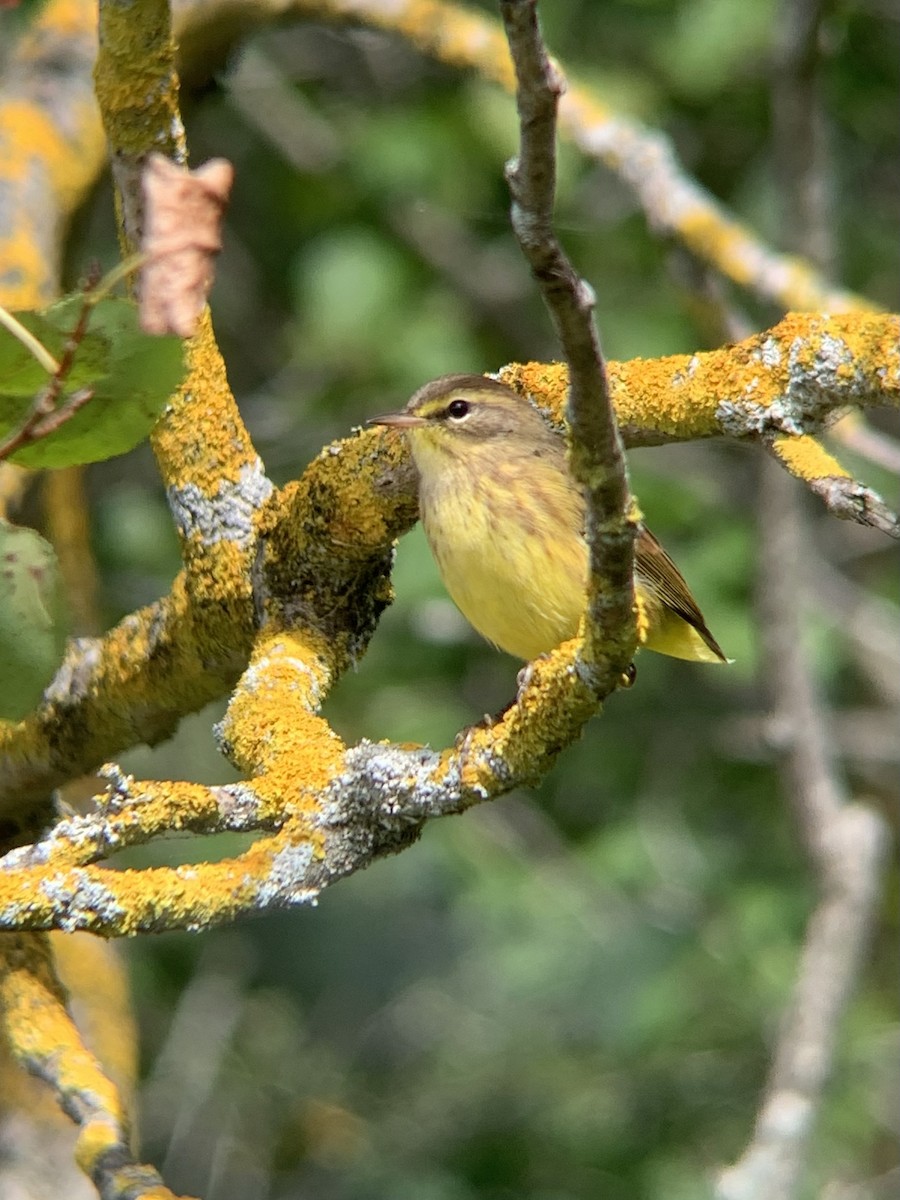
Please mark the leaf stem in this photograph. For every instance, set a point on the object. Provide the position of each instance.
(29, 341)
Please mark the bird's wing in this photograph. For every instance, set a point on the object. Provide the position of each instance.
(661, 575)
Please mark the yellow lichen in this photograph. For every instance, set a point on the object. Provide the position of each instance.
(97, 1137)
(93, 972)
(40, 1029)
(134, 79)
(202, 440)
(807, 459)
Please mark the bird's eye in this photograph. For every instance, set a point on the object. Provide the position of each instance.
(457, 409)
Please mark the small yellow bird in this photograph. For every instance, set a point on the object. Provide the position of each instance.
(505, 522)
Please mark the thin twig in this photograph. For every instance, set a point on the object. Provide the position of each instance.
(44, 417)
(34, 347)
(870, 624)
(596, 454)
(853, 432)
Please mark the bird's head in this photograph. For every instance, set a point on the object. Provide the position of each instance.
(458, 416)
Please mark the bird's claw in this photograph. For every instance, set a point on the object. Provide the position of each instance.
(628, 676)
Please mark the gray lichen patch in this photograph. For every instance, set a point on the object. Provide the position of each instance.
(81, 902)
(226, 516)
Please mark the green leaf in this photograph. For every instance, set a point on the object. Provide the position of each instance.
(31, 631)
(131, 373)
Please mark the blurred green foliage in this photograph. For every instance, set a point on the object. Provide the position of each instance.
(32, 622)
(574, 993)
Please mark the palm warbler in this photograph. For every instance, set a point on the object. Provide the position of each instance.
(505, 520)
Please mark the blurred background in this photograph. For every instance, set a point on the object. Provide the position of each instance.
(572, 992)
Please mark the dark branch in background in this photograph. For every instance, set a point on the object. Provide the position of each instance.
(596, 454)
(798, 127)
(845, 845)
(844, 842)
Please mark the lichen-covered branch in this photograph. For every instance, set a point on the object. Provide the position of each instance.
(335, 809)
(779, 388)
(133, 685)
(38, 1140)
(173, 657)
(51, 146)
(136, 86)
(791, 379)
(132, 815)
(46, 1042)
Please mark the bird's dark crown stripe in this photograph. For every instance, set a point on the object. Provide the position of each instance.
(435, 394)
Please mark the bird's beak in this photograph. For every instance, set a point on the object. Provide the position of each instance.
(398, 420)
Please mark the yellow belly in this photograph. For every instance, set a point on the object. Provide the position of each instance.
(518, 572)
(521, 586)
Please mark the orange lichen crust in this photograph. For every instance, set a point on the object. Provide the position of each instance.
(122, 903)
(557, 696)
(131, 815)
(807, 459)
(214, 478)
(44, 1040)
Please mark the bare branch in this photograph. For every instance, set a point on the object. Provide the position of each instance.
(596, 454)
(845, 842)
(854, 432)
(44, 417)
(846, 845)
